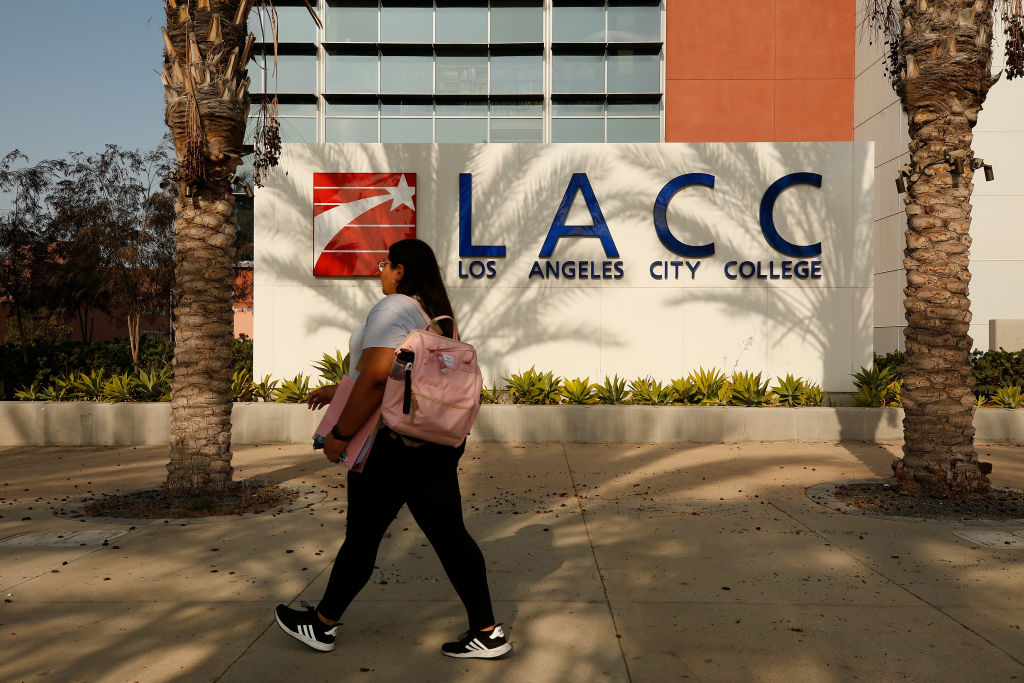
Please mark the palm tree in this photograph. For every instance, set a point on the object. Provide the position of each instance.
(206, 49)
(940, 59)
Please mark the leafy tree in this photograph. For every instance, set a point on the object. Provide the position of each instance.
(206, 50)
(940, 60)
(27, 258)
(116, 236)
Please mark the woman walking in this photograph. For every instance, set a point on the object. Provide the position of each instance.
(399, 470)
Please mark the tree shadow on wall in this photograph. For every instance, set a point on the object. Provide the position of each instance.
(514, 319)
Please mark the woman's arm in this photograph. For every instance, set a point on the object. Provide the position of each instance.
(367, 394)
(318, 398)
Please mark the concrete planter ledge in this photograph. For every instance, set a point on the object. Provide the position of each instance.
(130, 424)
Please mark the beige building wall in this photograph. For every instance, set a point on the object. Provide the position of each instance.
(997, 254)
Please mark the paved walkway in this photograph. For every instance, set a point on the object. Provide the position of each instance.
(607, 562)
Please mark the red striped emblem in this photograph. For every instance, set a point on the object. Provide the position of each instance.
(356, 217)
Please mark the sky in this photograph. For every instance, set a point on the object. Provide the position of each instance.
(78, 74)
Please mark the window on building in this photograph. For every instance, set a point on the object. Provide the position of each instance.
(513, 22)
(517, 74)
(470, 71)
(461, 75)
(351, 22)
(460, 23)
(401, 23)
(404, 74)
(578, 23)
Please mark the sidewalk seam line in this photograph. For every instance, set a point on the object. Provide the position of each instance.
(877, 571)
(600, 574)
(267, 627)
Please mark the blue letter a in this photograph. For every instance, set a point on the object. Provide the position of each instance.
(579, 183)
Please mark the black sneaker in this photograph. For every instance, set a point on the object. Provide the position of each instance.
(305, 626)
(481, 644)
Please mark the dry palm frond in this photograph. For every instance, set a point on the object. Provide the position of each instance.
(267, 143)
(193, 166)
(1012, 16)
(883, 23)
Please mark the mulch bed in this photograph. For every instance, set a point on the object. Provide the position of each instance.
(880, 498)
(240, 498)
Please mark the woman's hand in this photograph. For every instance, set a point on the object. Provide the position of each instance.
(318, 398)
(334, 448)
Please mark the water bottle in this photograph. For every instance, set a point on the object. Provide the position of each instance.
(405, 357)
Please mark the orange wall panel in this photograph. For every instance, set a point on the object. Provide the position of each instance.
(759, 70)
(719, 111)
(815, 39)
(816, 110)
(720, 39)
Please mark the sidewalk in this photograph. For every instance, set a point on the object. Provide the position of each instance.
(607, 562)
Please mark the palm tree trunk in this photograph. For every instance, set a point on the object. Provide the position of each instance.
(946, 59)
(203, 330)
(205, 89)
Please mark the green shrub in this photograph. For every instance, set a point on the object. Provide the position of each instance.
(894, 393)
(154, 385)
(333, 368)
(647, 391)
(549, 389)
(995, 369)
(578, 391)
(118, 388)
(893, 360)
(682, 391)
(241, 354)
(30, 393)
(612, 392)
(265, 389)
(50, 358)
(748, 389)
(1008, 397)
(534, 388)
(241, 386)
(295, 390)
(813, 395)
(492, 395)
(790, 391)
(872, 385)
(709, 387)
(89, 387)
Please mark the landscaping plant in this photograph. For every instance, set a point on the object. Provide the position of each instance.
(578, 391)
(709, 386)
(647, 391)
(295, 390)
(1008, 397)
(748, 389)
(612, 392)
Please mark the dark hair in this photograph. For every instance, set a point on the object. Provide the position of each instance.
(422, 278)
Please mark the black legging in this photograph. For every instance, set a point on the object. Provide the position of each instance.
(426, 479)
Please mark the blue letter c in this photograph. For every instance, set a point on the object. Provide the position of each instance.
(771, 234)
(661, 220)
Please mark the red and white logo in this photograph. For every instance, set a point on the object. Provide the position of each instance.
(357, 216)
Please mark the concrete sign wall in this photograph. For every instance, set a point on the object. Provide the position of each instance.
(588, 260)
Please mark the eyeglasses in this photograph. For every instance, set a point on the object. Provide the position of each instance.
(381, 264)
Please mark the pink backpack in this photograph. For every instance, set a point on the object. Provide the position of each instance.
(433, 392)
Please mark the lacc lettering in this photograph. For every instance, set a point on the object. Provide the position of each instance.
(582, 270)
(665, 270)
(773, 270)
(477, 270)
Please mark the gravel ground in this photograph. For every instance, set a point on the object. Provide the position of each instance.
(883, 499)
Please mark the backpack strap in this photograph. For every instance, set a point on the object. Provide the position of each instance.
(431, 321)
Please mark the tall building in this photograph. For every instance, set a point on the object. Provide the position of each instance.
(560, 70)
(641, 71)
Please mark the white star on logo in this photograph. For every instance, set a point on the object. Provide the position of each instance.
(401, 195)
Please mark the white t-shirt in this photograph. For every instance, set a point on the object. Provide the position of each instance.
(387, 324)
